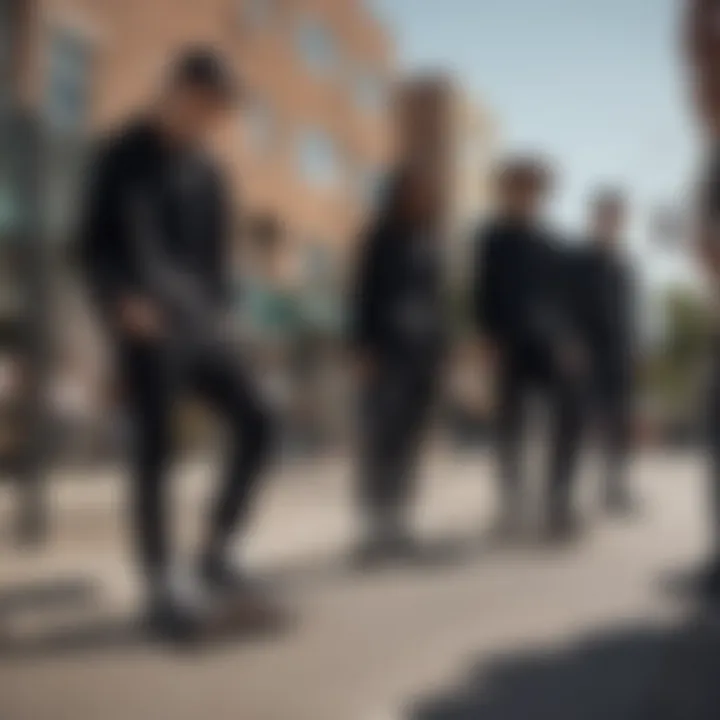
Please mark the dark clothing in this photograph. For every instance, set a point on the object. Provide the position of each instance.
(396, 404)
(522, 303)
(522, 376)
(156, 377)
(520, 290)
(399, 324)
(155, 227)
(605, 312)
(398, 294)
(156, 224)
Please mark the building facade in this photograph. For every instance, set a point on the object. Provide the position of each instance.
(305, 153)
(309, 145)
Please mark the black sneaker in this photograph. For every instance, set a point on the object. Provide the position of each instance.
(564, 528)
(243, 604)
(621, 504)
(222, 577)
(170, 621)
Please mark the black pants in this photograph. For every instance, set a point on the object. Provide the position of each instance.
(395, 409)
(522, 375)
(155, 378)
(611, 406)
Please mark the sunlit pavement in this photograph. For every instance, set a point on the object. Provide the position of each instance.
(374, 647)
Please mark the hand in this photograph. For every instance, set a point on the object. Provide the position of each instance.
(139, 318)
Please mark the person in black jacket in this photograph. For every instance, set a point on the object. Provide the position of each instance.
(398, 340)
(154, 245)
(521, 307)
(605, 312)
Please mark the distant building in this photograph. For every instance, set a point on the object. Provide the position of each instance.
(314, 137)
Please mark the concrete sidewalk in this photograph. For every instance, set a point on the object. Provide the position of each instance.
(392, 644)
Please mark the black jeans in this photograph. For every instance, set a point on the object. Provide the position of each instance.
(155, 378)
(395, 409)
(611, 407)
(523, 373)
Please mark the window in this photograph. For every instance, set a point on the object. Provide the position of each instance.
(257, 14)
(260, 126)
(317, 158)
(68, 81)
(316, 46)
(370, 93)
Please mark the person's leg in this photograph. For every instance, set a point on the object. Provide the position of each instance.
(377, 449)
(151, 387)
(415, 394)
(616, 420)
(228, 390)
(566, 400)
(153, 382)
(512, 390)
(417, 404)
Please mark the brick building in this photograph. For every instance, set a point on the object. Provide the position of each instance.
(308, 147)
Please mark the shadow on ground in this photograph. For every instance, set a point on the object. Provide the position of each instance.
(630, 673)
(67, 617)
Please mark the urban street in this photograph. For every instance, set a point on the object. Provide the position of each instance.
(481, 630)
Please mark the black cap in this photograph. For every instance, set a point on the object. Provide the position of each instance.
(205, 68)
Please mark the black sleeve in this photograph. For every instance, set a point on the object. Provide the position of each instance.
(487, 290)
(631, 317)
(222, 224)
(572, 274)
(566, 291)
(366, 301)
(103, 254)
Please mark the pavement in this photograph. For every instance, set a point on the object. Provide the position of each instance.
(590, 631)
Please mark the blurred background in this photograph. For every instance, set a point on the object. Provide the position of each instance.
(331, 102)
(337, 89)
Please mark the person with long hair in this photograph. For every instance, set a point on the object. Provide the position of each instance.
(398, 339)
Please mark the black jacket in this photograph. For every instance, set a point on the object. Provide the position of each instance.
(155, 222)
(521, 286)
(398, 299)
(604, 303)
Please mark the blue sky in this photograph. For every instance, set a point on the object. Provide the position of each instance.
(597, 84)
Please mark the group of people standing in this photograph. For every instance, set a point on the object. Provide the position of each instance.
(155, 226)
(554, 319)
